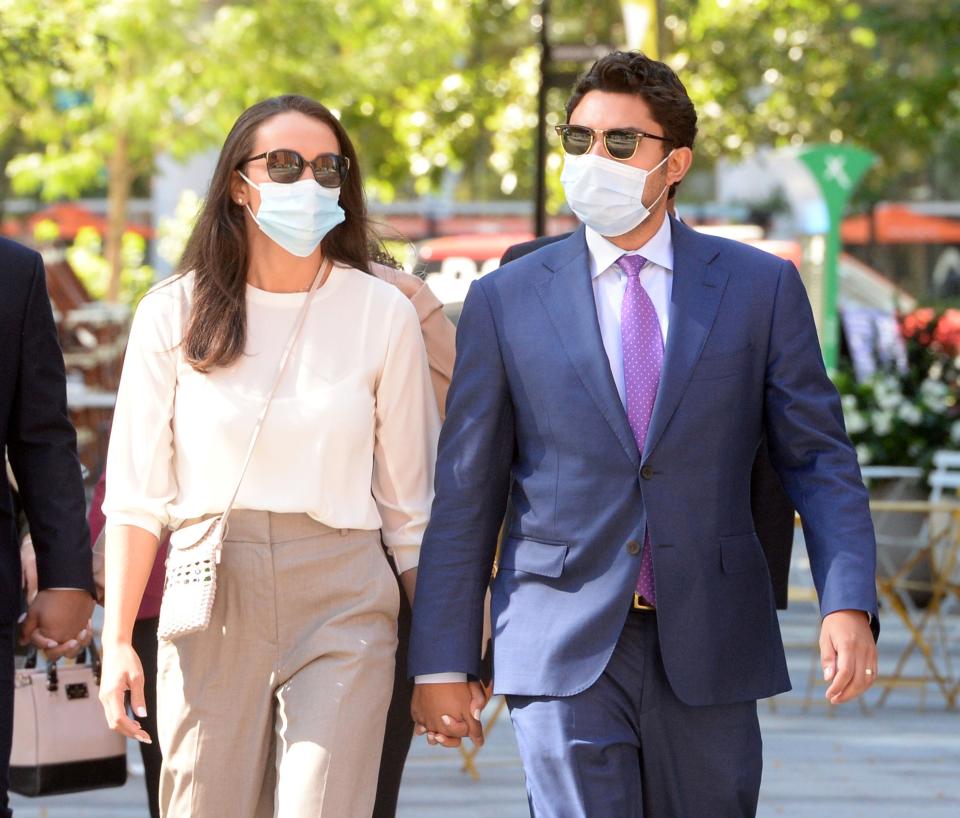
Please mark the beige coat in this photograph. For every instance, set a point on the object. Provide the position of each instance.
(439, 335)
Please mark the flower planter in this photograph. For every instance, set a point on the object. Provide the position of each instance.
(900, 534)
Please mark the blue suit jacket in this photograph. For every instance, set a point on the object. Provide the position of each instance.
(533, 413)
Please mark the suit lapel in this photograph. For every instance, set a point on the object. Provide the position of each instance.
(697, 289)
(567, 295)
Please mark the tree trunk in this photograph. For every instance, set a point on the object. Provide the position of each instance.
(119, 182)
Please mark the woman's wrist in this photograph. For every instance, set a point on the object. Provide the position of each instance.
(115, 637)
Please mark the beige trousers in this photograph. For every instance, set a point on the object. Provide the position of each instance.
(277, 710)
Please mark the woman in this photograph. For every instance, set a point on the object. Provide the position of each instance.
(144, 641)
(278, 706)
(438, 337)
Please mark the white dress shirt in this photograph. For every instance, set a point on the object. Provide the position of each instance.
(609, 285)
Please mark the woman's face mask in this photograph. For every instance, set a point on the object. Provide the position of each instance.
(297, 216)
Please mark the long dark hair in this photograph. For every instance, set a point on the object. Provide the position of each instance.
(216, 252)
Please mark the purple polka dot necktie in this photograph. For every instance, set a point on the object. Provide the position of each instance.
(642, 362)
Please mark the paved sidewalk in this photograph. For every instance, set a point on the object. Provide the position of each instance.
(894, 762)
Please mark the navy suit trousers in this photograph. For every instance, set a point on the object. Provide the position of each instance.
(628, 748)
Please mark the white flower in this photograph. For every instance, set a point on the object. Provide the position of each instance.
(849, 403)
(890, 401)
(856, 422)
(910, 414)
(887, 394)
(935, 394)
(934, 388)
(863, 454)
(882, 422)
(955, 432)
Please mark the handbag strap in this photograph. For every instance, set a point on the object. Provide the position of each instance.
(318, 280)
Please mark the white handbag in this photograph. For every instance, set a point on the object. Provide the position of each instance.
(61, 742)
(190, 586)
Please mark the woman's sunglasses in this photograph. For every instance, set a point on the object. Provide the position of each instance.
(621, 143)
(286, 166)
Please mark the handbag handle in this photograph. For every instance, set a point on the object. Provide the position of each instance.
(318, 281)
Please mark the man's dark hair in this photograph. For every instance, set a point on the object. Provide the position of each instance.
(656, 83)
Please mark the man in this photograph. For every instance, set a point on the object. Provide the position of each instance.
(616, 386)
(773, 513)
(36, 436)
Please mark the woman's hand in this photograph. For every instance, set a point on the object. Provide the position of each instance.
(82, 639)
(122, 671)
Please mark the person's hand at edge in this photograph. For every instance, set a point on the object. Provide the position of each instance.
(848, 655)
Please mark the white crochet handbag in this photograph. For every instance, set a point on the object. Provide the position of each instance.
(190, 586)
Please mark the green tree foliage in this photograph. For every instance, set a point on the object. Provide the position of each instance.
(441, 94)
(877, 73)
(108, 95)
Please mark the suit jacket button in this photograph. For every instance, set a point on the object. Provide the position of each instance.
(633, 548)
(646, 472)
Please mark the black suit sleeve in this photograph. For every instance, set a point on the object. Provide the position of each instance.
(42, 447)
(515, 251)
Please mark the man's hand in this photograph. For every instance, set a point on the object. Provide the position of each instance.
(28, 568)
(56, 618)
(848, 655)
(448, 713)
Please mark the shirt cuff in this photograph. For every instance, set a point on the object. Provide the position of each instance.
(144, 521)
(405, 557)
(440, 678)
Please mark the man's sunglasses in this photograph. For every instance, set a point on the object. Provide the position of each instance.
(621, 143)
(286, 166)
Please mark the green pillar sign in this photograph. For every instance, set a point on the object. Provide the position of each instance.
(838, 170)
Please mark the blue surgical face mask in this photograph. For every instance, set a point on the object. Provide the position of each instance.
(297, 216)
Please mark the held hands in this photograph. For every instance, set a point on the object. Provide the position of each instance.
(848, 655)
(448, 713)
(58, 622)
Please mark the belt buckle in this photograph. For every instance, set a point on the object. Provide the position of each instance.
(640, 603)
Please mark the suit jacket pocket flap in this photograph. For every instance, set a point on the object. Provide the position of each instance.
(533, 556)
(742, 552)
(722, 366)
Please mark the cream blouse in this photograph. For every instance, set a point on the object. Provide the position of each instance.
(350, 437)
